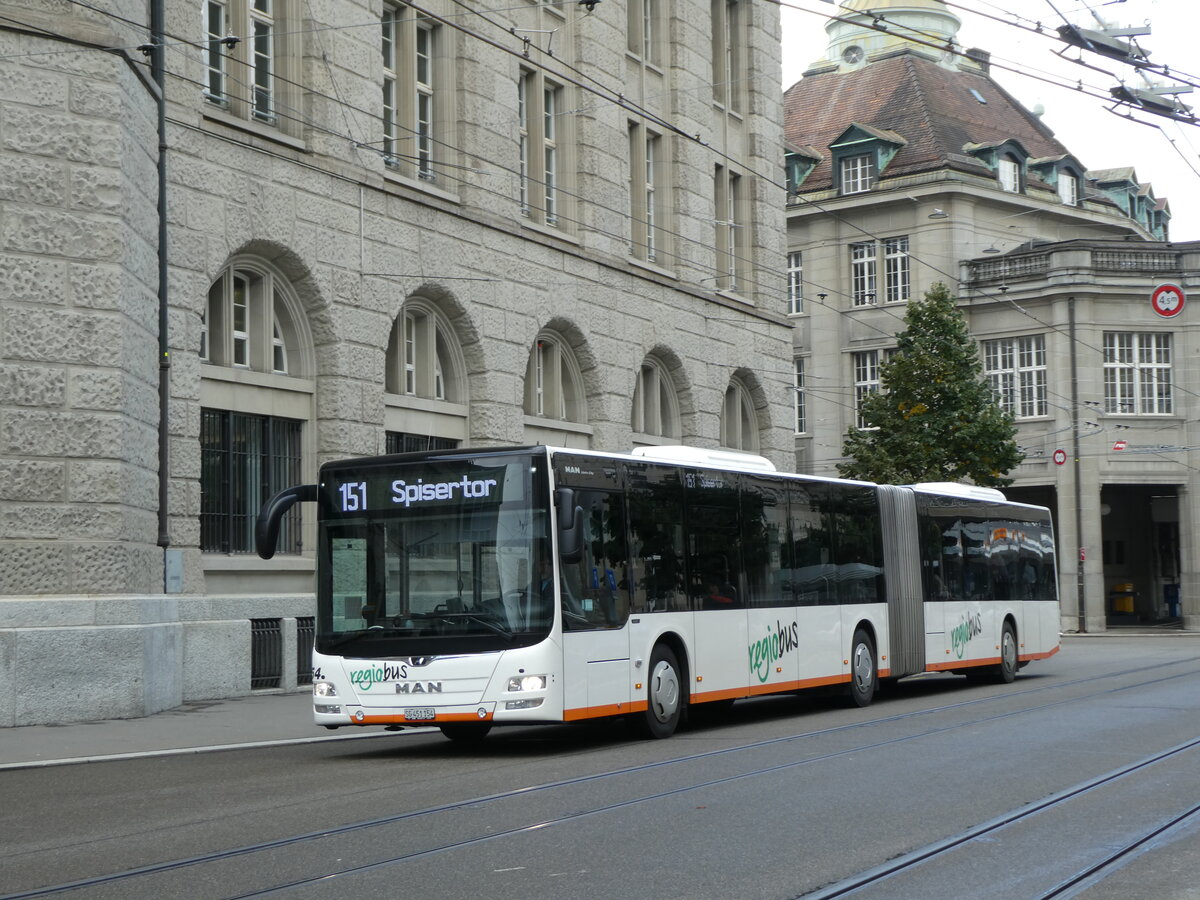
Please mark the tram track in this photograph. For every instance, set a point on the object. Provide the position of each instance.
(881, 876)
(217, 858)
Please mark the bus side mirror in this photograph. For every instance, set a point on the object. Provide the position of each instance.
(570, 526)
(266, 529)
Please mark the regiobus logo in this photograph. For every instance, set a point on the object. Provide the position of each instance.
(426, 491)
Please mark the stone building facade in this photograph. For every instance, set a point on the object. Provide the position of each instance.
(909, 165)
(385, 226)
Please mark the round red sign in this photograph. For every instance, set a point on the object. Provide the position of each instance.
(1168, 300)
(1060, 457)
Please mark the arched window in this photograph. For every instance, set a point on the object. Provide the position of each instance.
(422, 355)
(256, 404)
(553, 385)
(424, 381)
(655, 412)
(249, 321)
(739, 422)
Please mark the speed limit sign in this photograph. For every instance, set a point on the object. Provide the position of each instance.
(1060, 457)
(1168, 300)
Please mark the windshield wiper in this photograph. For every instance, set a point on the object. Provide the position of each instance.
(484, 620)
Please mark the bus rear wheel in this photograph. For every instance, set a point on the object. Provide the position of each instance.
(664, 695)
(466, 733)
(863, 676)
(1006, 672)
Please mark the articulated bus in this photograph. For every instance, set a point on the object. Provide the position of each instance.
(464, 589)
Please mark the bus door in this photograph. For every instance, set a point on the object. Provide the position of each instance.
(716, 585)
(594, 597)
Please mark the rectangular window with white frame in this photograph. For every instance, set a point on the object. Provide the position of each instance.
(857, 173)
(795, 282)
(727, 53)
(643, 28)
(1016, 371)
(730, 230)
(863, 261)
(896, 270)
(412, 119)
(866, 381)
(798, 386)
(1137, 373)
(251, 60)
(541, 136)
(645, 197)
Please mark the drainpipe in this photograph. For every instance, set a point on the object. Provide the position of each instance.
(1081, 624)
(158, 69)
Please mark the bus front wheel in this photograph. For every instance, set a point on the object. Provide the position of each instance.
(664, 695)
(863, 676)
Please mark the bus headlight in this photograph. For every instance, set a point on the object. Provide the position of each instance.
(324, 689)
(527, 683)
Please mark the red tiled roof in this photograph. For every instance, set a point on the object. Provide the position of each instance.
(930, 106)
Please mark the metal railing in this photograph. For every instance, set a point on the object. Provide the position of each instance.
(305, 632)
(266, 653)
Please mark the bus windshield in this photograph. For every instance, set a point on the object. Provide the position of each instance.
(434, 557)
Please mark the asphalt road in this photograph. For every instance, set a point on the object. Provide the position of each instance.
(1077, 780)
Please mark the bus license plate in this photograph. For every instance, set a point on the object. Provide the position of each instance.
(421, 714)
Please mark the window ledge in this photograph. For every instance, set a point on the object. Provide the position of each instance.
(421, 184)
(548, 231)
(256, 379)
(558, 425)
(249, 126)
(653, 267)
(250, 562)
(406, 401)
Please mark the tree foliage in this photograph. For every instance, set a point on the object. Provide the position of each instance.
(934, 417)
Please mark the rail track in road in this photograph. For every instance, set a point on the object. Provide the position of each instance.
(568, 804)
(885, 876)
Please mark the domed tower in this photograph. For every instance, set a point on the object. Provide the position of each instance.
(853, 42)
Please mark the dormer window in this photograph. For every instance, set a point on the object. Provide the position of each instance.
(1010, 174)
(860, 154)
(858, 173)
(1007, 159)
(798, 162)
(1068, 188)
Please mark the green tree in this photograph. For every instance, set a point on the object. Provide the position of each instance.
(934, 417)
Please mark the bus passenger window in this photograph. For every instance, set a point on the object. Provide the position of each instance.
(595, 590)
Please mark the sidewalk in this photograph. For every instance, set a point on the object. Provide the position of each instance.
(255, 720)
(192, 728)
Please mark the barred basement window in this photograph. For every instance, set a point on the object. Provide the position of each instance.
(244, 460)
(400, 442)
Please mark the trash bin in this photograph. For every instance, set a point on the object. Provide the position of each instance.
(1171, 597)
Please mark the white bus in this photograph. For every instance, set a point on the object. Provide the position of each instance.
(470, 588)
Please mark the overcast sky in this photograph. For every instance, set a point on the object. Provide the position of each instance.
(1098, 138)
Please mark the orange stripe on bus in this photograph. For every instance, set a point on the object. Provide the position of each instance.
(962, 664)
(597, 712)
(1046, 655)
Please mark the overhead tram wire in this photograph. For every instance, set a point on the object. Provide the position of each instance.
(620, 101)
